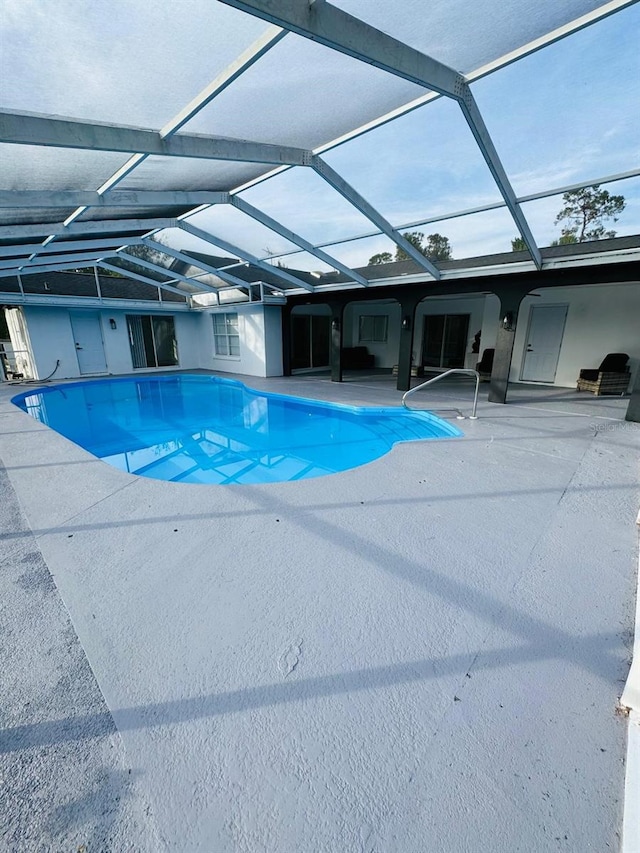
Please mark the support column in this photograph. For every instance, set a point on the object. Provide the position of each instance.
(633, 409)
(509, 306)
(337, 311)
(408, 307)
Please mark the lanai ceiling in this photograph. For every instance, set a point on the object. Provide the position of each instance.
(281, 132)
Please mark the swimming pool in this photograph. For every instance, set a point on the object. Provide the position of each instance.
(205, 429)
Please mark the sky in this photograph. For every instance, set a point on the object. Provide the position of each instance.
(566, 114)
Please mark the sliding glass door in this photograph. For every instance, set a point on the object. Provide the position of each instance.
(310, 340)
(152, 341)
(444, 343)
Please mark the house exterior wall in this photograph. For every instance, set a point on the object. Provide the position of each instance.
(600, 319)
(260, 332)
(472, 305)
(51, 337)
(273, 340)
(386, 354)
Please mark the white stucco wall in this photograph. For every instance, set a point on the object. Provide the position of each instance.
(273, 340)
(386, 354)
(51, 337)
(600, 319)
(259, 328)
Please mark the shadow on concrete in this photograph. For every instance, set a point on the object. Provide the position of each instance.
(590, 652)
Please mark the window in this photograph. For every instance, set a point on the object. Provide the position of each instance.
(225, 335)
(152, 341)
(373, 328)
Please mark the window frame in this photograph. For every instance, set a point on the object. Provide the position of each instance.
(230, 332)
(375, 320)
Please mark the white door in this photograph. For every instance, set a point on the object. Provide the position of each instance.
(87, 336)
(544, 338)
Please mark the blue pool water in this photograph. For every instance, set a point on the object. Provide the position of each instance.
(204, 429)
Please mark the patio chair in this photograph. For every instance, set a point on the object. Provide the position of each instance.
(485, 365)
(612, 377)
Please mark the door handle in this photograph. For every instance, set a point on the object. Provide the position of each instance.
(78, 346)
(529, 349)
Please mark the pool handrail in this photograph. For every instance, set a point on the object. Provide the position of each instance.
(469, 372)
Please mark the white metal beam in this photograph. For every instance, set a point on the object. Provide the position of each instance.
(131, 305)
(551, 37)
(565, 30)
(497, 205)
(292, 237)
(254, 52)
(246, 256)
(175, 276)
(77, 259)
(336, 29)
(194, 262)
(340, 31)
(53, 131)
(479, 130)
(347, 191)
(114, 242)
(249, 57)
(118, 198)
(561, 32)
(89, 226)
(46, 267)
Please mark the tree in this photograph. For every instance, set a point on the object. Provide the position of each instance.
(585, 211)
(380, 258)
(518, 244)
(415, 238)
(565, 240)
(437, 248)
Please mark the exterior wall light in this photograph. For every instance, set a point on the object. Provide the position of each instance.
(406, 322)
(113, 323)
(508, 322)
(335, 324)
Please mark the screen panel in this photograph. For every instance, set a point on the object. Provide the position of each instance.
(30, 167)
(303, 94)
(182, 173)
(422, 164)
(467, 35)
(568, 113)
(122, 61)
(304, 202)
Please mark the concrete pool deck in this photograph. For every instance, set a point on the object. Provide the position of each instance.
(424, 653)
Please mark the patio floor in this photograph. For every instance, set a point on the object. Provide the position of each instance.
(421, 654)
